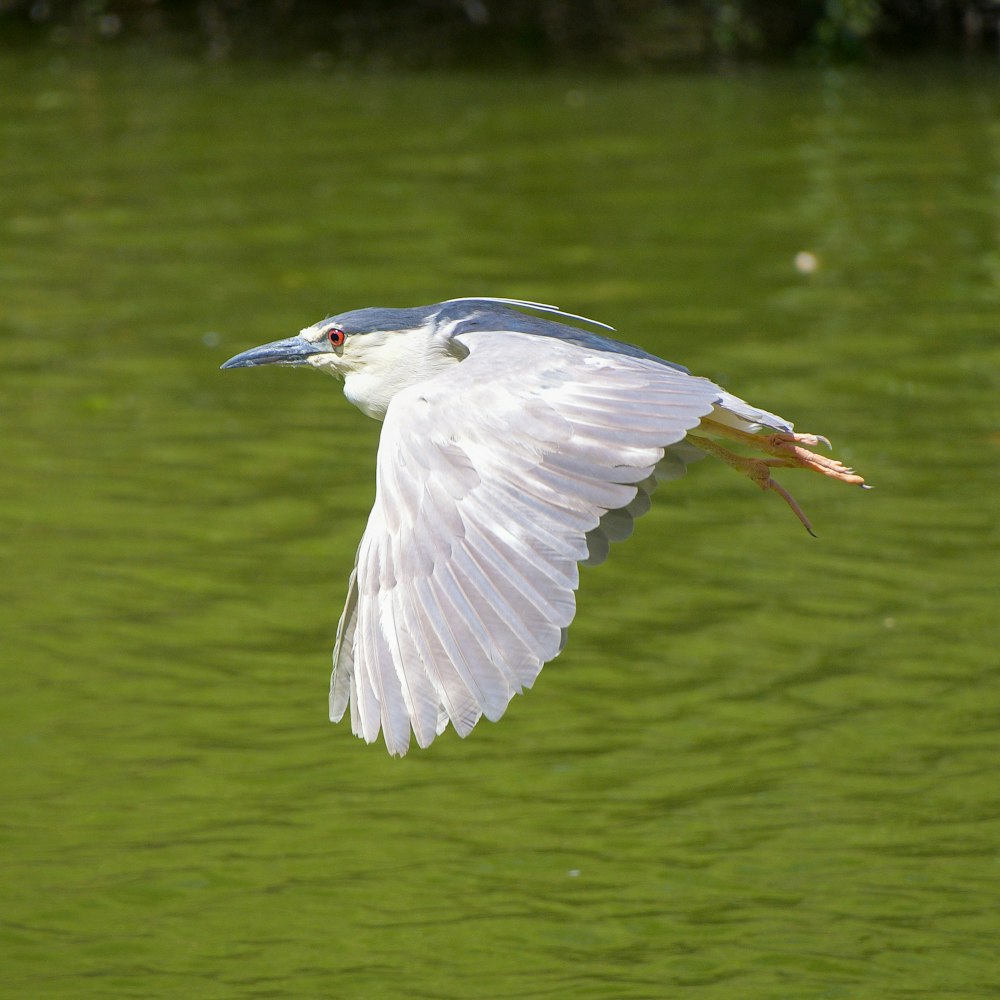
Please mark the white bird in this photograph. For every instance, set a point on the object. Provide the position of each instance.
(513, 448)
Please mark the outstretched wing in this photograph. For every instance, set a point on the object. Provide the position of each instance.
(490, 477)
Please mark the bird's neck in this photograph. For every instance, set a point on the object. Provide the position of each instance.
(401, 360)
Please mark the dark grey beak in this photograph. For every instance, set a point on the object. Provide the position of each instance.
(293, 351)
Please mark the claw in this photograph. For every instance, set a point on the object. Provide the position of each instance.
(789, 451)
(759, 471)
(790, 500)
(810, 439)
(788, 447)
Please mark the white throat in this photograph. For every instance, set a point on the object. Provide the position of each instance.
(375, 366)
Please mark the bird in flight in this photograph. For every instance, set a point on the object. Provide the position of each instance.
(515, 445)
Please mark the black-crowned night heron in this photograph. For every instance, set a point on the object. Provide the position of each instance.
(513, 447)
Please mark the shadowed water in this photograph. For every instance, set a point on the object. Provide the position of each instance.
(765, 765)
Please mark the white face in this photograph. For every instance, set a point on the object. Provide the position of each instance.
(376, 365)
(348, 352)
(325, 332)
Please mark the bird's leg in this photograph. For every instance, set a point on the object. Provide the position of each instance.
(788, 447)
(757, 469)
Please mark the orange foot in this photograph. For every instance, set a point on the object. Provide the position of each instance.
(789, 452)
(789, 448)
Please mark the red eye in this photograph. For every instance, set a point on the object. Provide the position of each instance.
(336, 337)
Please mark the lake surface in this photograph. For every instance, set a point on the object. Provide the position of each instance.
(766, 765)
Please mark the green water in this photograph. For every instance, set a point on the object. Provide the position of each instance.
(766, 766)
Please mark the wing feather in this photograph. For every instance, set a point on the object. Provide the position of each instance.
(480, 688)
(514, 631)
(342, 680)
(419, 692)
(495, 479)
(538, 572)
(456, 701)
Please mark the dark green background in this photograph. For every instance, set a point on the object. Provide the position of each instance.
(765, 766)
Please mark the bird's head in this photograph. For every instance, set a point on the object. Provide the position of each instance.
(376, 351)
(380, 351)
(340, 344)
(364, 338)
